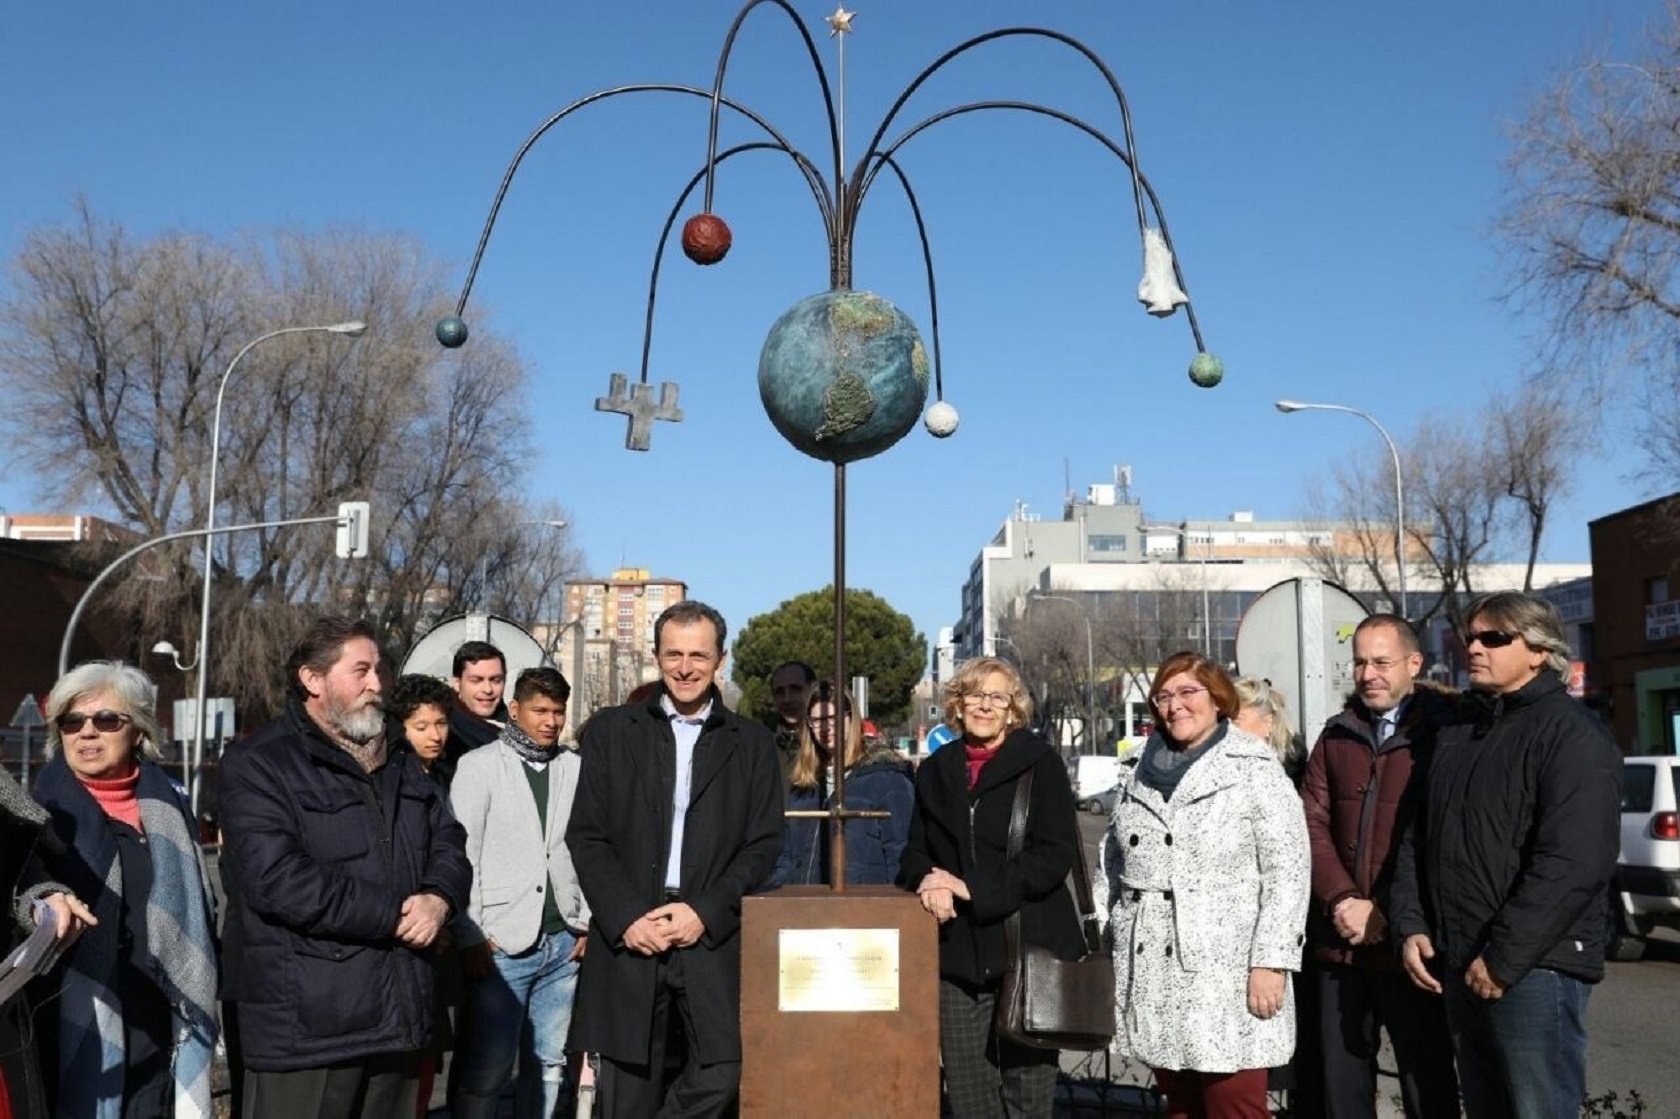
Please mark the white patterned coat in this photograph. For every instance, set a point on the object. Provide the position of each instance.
(1201, 888)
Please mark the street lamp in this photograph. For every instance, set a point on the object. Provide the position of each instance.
(1287, 406)
(1090, 663)
(1207, 545)
(484, 560)
(354, 329)
(167, 648)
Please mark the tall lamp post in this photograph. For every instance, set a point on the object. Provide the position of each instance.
(1287, 406)
(354, 329)
(1090, 663)
(1207, 545)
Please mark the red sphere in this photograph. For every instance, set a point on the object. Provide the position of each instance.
(705, 238)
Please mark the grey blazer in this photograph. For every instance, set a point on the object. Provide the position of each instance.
(514, 860)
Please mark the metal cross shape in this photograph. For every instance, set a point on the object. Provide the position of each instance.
(638, 405)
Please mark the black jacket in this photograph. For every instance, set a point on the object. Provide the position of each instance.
(318, 858)
(1510, 848)
(967, 834)
(620, 839)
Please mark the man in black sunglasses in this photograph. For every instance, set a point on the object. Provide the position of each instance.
(1498, 898)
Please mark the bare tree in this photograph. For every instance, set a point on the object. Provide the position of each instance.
(1537, 434)
(119, 347)
(1593, 217)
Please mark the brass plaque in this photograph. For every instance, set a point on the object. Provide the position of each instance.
(838, 970)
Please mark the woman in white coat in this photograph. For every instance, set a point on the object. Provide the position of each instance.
(1207, 871)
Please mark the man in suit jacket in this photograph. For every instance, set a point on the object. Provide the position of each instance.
(522, 934)
(678, 813)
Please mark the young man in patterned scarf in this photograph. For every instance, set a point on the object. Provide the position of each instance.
(523, 932)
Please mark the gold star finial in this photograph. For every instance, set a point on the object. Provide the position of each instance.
(840, 23)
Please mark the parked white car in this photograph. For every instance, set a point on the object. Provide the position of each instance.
(1647, 888)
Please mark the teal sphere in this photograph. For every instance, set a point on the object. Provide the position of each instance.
(843, 375)
(1206, 370)
(451, 332)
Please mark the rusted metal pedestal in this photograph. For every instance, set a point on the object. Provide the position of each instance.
(838, 1062)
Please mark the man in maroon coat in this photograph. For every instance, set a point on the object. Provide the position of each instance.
(1355, 781)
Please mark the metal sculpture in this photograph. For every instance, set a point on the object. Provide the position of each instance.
(841, 368)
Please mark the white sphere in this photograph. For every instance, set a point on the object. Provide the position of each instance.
(941, 419)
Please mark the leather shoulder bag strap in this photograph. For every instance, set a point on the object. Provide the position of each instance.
(1012, 850)
(1080, 873)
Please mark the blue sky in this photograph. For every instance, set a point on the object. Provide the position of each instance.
(1331, 173)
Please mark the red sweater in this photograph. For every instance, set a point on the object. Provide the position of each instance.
(116, 795)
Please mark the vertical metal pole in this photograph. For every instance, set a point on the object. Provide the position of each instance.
(837, 749)
(25, 781)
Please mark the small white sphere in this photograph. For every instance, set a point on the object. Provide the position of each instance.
(941, 419)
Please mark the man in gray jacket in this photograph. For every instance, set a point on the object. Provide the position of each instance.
(523, 931)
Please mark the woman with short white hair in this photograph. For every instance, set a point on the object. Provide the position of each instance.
(135, 1023)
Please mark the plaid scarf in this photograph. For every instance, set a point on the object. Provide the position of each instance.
(180, 929)
(526, 747)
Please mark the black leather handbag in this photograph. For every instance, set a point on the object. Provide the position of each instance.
(1046, 1002)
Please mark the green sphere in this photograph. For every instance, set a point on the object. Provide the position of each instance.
(451, 332)
(843, 375)
(1206, 370)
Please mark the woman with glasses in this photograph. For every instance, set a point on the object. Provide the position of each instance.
(876, 780)
(133, 1027)
(1207, 872)
(958, 864)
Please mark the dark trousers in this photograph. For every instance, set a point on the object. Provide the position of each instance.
(987, 1077)
(1354, 1003)
(382, 1087)
(632, 1091)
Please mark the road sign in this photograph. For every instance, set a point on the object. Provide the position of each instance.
(28, 713)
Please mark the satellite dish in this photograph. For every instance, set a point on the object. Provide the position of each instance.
(434, 653)
(1299, 635)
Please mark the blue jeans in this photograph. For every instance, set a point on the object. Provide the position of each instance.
(1523, 1054)
(536, 986)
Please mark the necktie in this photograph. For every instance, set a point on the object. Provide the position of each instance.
(1385, 727)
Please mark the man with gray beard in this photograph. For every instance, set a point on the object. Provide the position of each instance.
(341, 863)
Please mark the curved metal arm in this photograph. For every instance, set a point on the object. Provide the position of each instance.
(818, 187)
(717, 92)
(1066, 118)
(927, 262)
(110, 568)
(676, 209)
(855, 197)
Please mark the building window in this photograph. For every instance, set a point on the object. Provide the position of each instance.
(1656, 589)
(1106, 543)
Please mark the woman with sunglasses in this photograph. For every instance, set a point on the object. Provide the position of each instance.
(1207, 873)
(958, 863)
(133, 1025)
(877, 780)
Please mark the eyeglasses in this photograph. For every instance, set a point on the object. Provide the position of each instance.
(71, 722)
(987, 699)
(1490, 638)
(1183, 695)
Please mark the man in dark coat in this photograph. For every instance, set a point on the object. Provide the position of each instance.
(341, 866)
(478, 673)
(1500, 883)
(678, 814)
(1355, 780)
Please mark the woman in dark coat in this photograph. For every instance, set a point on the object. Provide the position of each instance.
(22, 832)
(133, 1024)
(878, 781)
(958, 864)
